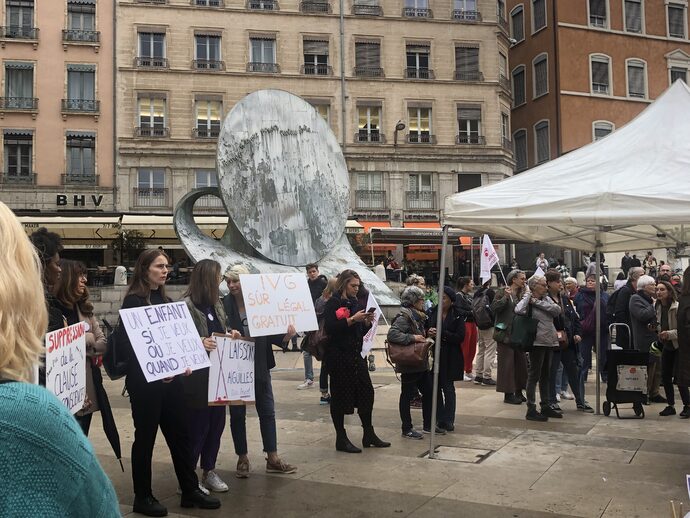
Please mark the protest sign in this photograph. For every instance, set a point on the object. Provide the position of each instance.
(368, 341)
(632, 378)
(275, 300)
(66, 365)
(164, 339)
(231, 376)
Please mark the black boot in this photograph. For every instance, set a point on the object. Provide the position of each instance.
(149, 506)
(533, 415)
(370, 439)
(198, 499)
(342, 443)
(547, 411)
(512, 399)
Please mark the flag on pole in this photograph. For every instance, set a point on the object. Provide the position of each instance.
(489, 259)
(539, 271)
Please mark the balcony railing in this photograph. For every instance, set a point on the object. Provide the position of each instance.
(317, 70)
(370, 200)
(470, 139)
(150, 62)
(19, 103)
(263, 5)
(420, 200)
(205, 132)
(208, 3)
(150, 197)
(269, 68)
(417, 12)
(467, 16)
(82, 36)
(79, 179)
(19, 32)
(367, 10)
(208, 64)
(419, 73)
(505, 83)
(151, 1)
(11, 178)
(81, 105)
(368, 72)
(507, 144)
(310, 6)
(420, 138)
(208, 202)
(472, 75)
(503, 24)
(370, 138)
(148, 131)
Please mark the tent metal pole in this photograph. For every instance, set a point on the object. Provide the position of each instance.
(597, 327)
(471, 258)
(437, 345)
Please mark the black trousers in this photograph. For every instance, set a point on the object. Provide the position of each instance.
(410, 383)
(668, 364)
(538, 372)
(153, 405)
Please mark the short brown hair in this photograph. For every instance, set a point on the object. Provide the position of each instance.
(312, 265)
(552, 275)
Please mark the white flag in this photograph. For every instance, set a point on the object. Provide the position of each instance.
(368, 341)
(539, 271)
(489, 259)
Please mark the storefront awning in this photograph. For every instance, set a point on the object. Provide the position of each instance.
(353, 227)
(161, 227)
(421, 224)
(74, 227)
(368, 225)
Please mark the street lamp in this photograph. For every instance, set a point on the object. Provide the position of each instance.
(399, 126)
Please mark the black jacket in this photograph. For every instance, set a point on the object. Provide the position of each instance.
(463, 306)
(451, 366)
(342, 336)
(317, 286)
(568, 321)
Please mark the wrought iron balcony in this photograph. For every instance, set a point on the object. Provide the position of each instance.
(367, 10)
(19, 103)
(472, 75)
(81, 105)
(160, 2)
(208, 64)
(79, 179)
(19, 32)
(150, 197)
(317, 70)
(208, 202)
(263, 5)
(375, 200)
(368, 72)
(467, 16)
(202, 132)
(417, 12)
(419, 73)
(150, 62)
(81, 36)
(372, 137)
(208, 3)
(312, 6)
(148, 131)
(268, 68)
(13, 178)
(420, 200)
(420, 138)
(470, 139)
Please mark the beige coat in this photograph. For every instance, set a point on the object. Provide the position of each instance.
(672, 322)
(96, 345)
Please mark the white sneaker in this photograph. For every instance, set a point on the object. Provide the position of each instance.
(567, 395)
(558, 397)
(212, 481)
(467, 377)
(306, 385)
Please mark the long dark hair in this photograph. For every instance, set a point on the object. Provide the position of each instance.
(140, 279)
(671, 290)
(203, 283)
(685, 290)
(66, 288)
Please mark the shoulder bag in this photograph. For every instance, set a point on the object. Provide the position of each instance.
(409, 357)
(115, 360)
(524, 330)
(315, 342)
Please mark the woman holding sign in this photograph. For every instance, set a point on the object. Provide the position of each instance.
(158, 403)
(346, 322)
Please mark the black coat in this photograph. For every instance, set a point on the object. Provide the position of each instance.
(451, 366)
(622, 315)
(463, 306)
(683, 360)
(317, 286)
(568, 321)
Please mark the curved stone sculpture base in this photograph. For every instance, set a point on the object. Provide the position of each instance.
(232, 249)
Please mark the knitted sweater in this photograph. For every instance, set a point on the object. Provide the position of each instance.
(47, 466)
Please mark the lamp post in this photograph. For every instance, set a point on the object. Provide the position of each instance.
(399, 126)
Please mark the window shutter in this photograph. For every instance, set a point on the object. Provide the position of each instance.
(316, 47)
(633, 16)
(467, 59)
(600, 72)
(542, 134)
(367, 54)
(519, 87)
(636, 81)
(676, 21)
(520, 142)
(518, 25)
(541, 77)
(469, 113)
(597, 8)
(539, 10)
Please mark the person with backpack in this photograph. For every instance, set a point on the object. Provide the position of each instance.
(463, 305)
(584, 303)
(486, 346)
(618, 307)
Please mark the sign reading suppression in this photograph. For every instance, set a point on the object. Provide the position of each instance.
(231, 377)
(66, 365)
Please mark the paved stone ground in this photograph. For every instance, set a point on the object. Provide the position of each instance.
(583, 465)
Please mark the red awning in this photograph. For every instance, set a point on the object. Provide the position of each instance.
(423, 248)
(421, 224)
(368, 225)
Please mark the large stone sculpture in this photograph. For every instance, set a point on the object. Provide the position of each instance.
(283, 180)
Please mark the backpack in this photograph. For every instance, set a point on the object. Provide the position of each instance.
(611, 305)
(481, 311)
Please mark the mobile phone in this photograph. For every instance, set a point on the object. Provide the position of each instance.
(371, 310)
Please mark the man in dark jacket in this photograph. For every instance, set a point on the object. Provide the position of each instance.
(626, 263)
(317, 283)
(622, 308)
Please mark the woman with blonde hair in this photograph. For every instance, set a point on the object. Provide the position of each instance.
(41, 442)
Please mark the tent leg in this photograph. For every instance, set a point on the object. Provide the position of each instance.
(437, 345)
(597, 327)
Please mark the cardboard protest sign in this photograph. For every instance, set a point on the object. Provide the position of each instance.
(231, 376)
(368, 341)
(164, 339)
(66, 365)
(275, 300)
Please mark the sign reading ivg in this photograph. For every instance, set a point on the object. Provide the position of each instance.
(78, 200)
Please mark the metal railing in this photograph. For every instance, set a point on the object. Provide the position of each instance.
(270, 68)
(420, 199)
(368, 72)
(372, 137)
(80, 35)
(81, 105)
(208, 3)
(150, 197)
(473, 75)
(150, 62)
(79, 179)
(470, 139)
(417, 12)
(367, 10)
(311, 6)
(263, 5)
(507, 144)
(370, 199)
(19, 103)
(7, 177)
(208, 202)
(202, 132)
(148, 131)
(505, 83)
(420, 138)
(19, 32)
(419, 73)
(151, 1)
(208, 64)
(467, 16)
(317, 70)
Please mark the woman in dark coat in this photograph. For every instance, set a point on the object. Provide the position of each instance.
(450, 360)
(682, 370)
(346, 322)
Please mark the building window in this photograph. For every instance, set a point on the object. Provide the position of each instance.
(467, 63)
(517, 23)
(152, 50)
(262, 55)
(502, 65)
(417, 9)
(538, 14)
(541, 75)
(368, 59)
(81, 16)
(679, 73)
(520, 150)
(208, 118)
(315, 6)
(323, 109)
(676, 20)
(151, 191)
(207, 51)
(208, 3)
(81, 159)
(152, 117)
(20, 19)
(597, 13)
(519, 95)
(19, 86)
(469, 125)
(420, 194)
(541, 139)
(600, 74)
(316, 57)
(419, 121)
(505, 130)
(204, 178)
(417, 55)
(81, 88)
(18, 149)
(636, 79)
(466, 10)
(262, 5)
(469, 181)
(367, 8)
(602, 129)
(370, 193)
(633, 16)
(369, 124)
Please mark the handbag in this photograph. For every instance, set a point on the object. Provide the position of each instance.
(115, 359)
(411, 357)
(524, 330)
(315, 342)
(562, 339)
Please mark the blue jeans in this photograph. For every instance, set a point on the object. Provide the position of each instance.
(265, 407)
(561, 379)
(446, 402)
(308, 366)
(568, 358)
